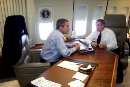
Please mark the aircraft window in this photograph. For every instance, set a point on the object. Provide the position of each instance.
(45, 29)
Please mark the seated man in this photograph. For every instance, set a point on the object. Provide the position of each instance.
(55, 47)
(105, 38)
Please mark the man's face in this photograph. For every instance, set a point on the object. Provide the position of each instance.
(100, 26)
(65, 28)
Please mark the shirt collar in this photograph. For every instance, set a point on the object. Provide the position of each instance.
(102, 31)
(60, 33)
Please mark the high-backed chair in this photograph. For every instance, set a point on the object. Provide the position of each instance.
(16, 53)
(28, 67)
(117, 23)
(18, 59)
(14, 29)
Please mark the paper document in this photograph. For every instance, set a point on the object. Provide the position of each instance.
(76, 83)
(42, 82)
(80, 76)
(82, 46)
(89, 66)
(69, 65)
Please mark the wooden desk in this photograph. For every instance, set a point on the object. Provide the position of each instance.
(103, 76)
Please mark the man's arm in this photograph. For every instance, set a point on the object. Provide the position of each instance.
(91, 39)
(69, 44)
(61, 46)
(112, 42)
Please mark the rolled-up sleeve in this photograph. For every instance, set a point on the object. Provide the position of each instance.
(111, 42)
(62, 48)
(91, 37)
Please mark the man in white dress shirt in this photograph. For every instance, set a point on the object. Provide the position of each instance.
(102, 37)
(105, 38)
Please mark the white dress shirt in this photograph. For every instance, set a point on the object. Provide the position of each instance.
(107, 37)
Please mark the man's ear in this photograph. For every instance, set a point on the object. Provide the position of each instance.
(62, 26)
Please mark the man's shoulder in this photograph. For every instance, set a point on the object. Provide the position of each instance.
(109, 30)
(55, 35)
(94, 32)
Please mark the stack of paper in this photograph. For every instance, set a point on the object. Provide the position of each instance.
(80, 76)
(76, 83)
(88, 67)
(82, 46)
(69, 65)
(42, 82)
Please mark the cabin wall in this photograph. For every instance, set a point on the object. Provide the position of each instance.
(62, 9)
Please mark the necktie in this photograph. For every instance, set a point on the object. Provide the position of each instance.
(99, 38)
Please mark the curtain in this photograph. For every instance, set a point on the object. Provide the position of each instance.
(8, 8)
(98, 13)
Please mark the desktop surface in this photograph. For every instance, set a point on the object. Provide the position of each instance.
(103, 76)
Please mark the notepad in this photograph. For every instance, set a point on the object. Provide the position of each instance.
(82, 46)
(88, 67)
(80, 76)
(76, 83)
(69, 65)
(42, 82)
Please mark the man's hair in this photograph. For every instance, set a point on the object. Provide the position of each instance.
(60, 23)
(101, 20)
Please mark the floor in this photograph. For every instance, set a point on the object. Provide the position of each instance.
(126, 82)
(13, 83)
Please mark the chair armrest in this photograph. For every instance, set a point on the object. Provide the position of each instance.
(27, 72)
(32, 65)
(31, 69)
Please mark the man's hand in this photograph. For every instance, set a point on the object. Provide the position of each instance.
(77, 46)
(94, 44)
(102, 46)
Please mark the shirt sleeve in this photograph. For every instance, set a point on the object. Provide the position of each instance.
(90, 37)
(61, 46)
(69, 45)
(112, 42)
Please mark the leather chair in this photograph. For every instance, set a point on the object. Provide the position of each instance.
(117, 23)
(29, 70)
(29, 66)
(16, 53)
(14, 29)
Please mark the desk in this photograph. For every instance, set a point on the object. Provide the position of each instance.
(103, 76)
